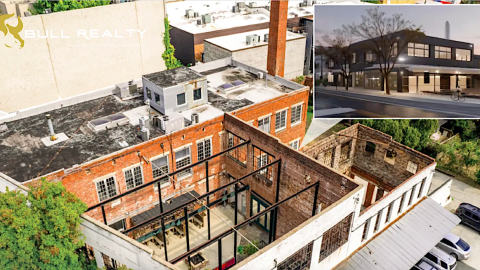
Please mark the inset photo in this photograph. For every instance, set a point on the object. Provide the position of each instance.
(397, 61)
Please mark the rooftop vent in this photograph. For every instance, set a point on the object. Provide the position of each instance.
(265, 38)
(108, 122)
(189, 13)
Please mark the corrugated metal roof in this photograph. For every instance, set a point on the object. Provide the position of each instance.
(406, 241)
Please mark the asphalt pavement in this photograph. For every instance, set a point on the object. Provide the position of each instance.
(344, 104)
(460, 193)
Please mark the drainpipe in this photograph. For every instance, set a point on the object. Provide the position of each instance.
(50, 127)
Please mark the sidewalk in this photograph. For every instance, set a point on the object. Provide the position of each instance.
(400, 95)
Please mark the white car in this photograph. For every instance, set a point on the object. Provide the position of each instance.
(455, 246)
(423, 265)
(440, 259)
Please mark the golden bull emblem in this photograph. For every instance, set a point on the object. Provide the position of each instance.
(14, 31)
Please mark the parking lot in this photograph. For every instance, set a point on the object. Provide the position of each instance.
(460, 193)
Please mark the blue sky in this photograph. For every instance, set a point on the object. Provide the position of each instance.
(464, 19)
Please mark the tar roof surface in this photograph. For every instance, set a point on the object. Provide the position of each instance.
(172, 77)
(24, 155)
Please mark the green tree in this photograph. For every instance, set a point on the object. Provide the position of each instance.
(40, 230)
(64, 5)
(169, 54)
(466, 128)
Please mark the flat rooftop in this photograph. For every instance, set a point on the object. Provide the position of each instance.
(172, 77)
(24, 156)
(224, 17)
(237, 42)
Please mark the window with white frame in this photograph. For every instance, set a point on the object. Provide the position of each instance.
(160, 166)
(133, 177)
(418, 49)
(264, 124)
(369, 56)
(296, 114)
(106, 188)
(204, 149)
(412, 167)
(182, 159)
(281, 120)
(295, 144)
(197, 94)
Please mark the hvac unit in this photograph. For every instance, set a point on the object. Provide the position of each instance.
(199, 22)
(307, 3)
(301, 5)
(252, 4)
(196, 14)
(260, 75)
(189, 13)
(127, 89)
(265, 38)
(145, 134)
(27, 14)
(249, 40)
(241, 4)
(256, 39)
(47, 11)
(157, 121)
(195, 118)
(172, 122)
(235, 9)
(143, 121)
(207, 18)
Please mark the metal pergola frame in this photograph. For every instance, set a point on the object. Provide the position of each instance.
(273, 218)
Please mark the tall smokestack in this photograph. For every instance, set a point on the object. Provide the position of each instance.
(447, 30)
(277, 38)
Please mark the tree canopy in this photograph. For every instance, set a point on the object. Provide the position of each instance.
(386, 37)
(412, 133)
(63, 5)
(40, 230)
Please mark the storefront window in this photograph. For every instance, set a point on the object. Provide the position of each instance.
(373, 80)
(359, 79)
(392, 80)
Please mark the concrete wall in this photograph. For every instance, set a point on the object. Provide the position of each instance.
(47, 69)
(442, 194)
(257, 56)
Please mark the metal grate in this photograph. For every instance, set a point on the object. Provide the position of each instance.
(262, 158)
(240, 153)
(300, 260)
(335, 237)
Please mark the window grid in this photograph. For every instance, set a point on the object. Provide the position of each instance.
(106, 188)
(329, 157)
(369, 57)
(133, 177)
(264, 124)
(240, 153)
(204, 149)
(281, 120)
(412, 167)
(443, 52)
(299, 260)
(182, 162)
(296, 114)
(418, 49)
(335, 237)
(262, 158)
(160, 167)
(294, 144)
(394, 49)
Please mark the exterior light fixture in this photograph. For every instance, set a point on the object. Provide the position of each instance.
(401, 59)
(437, 71)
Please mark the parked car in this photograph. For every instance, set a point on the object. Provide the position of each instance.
(469, 214)
(423, 265)
(455, 246)
(440, 259)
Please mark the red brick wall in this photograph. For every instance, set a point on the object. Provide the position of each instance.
(80, 179)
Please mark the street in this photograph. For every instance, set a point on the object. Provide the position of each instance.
(460, 193)
(343, 104)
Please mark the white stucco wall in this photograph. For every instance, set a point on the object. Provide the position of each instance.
(442, 194)
(47, 69)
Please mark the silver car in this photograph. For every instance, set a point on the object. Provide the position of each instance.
(455, 246)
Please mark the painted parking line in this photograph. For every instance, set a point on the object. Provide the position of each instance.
(319, 113)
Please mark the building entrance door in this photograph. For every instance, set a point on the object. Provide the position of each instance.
(444, 82)
(257, 205)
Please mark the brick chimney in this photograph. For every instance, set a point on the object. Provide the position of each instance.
(277, 38)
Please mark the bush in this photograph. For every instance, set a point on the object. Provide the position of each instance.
(325, 82)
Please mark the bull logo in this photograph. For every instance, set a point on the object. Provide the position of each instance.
(14, 31)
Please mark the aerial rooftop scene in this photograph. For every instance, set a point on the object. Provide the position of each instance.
(176, 135)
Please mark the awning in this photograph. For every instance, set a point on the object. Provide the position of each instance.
(155, 211)
(433, 69)
(406, 241)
